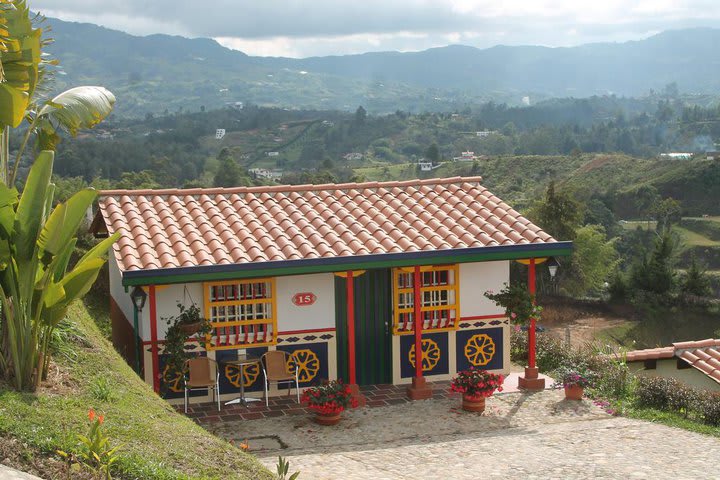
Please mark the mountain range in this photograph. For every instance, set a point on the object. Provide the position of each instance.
(155, 73)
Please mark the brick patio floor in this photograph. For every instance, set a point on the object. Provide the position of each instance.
(377, 396)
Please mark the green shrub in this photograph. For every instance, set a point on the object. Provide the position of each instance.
(653, 392)
(612, 377)
(681, 398)
(551, 353)
(708, 406)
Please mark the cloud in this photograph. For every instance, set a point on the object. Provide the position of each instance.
(321, 27)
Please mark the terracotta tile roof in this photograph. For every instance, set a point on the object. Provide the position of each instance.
(195, 227)
(703, 355)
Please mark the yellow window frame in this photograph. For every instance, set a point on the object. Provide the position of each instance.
(397, 291)
(272, 321)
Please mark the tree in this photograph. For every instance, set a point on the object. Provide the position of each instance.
(433, 153)
(695, 281)
(360, 115)
(559, 214)
(655, 273)
(593, 261)
(229, 174)
(667, 212)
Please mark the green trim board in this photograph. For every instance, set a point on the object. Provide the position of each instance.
(170, 276)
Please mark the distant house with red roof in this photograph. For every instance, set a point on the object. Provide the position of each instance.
(335, 275)
(695, 363)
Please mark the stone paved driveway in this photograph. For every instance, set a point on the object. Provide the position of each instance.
(520, 435)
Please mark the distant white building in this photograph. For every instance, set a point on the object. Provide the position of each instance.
(677, 155)
(425, 165)
(273, 154)
(483, 133)
(526, 101)
(466, 157)
(219, 133)
(328, 123)
(265, 173)
(353, 156)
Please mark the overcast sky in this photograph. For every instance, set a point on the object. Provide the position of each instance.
(305, 28)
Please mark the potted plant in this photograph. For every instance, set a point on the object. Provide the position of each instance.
(328, 401)
(574, 378)
(180, 328)
(476, 385)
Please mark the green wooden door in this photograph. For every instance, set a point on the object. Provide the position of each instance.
(373, 311)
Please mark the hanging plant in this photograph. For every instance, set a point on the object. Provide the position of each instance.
(181, 328)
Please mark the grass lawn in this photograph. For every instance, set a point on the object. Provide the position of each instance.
(671, 419)
(157, 442)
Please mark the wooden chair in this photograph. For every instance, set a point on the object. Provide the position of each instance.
(202, 374)
(275, 369)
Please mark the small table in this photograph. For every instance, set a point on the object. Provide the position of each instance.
(241, 362)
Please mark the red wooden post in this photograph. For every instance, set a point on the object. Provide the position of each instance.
(351, 326)
(419, 389)
(154, 340)
(531, 330)
(417, 324)
(531, 379)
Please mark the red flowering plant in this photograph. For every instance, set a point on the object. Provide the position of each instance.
(476, 383)
(329, 398)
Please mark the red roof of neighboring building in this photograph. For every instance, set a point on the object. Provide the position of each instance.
(703, 355)
(195, 227)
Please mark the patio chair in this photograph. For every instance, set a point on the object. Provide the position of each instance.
(202, 374)
(276, 369)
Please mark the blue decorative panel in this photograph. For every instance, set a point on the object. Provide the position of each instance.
(230, 377)
(435, 354)
(172, 384)
(481, 348)
(312, 361)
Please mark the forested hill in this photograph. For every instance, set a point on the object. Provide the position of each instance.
(158, 72)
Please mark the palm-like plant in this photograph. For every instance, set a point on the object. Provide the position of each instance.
(37, 241)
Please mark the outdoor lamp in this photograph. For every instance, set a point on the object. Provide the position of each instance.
(138, 296)
(553, 266)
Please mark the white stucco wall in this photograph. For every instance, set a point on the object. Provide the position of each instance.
(320, 314)
(168, 298)
(475, 280)
(117, 291)
(668, 368)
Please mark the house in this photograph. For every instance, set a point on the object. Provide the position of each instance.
(677, 156)
(466, 157)
(265, 173)
(712, 155)
(425, 165)
(695, 363)
(353, 156)
(219, 133)
(333, 274)
(273, 154)
(483, 133)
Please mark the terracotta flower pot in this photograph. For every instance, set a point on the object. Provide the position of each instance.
(327, 419)
(473, 404)
(573, 392)
(190, 328)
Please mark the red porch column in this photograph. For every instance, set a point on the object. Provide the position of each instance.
(530, 380)
(419, 390)
(154, 339)
(350, 290)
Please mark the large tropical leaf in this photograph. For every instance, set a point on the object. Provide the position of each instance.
(62, 224)
(99, 250)
(31, 209)
(20, 60)
(75, 109)
(8, 200)
(73, 286)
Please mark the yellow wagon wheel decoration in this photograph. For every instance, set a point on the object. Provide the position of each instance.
(250, 374)
(173, 379)
(430, 355)
(306, 362)
(480, 349)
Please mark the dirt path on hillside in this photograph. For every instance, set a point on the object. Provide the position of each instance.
(585, 329)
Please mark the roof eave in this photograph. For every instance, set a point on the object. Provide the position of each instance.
(202, 273)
